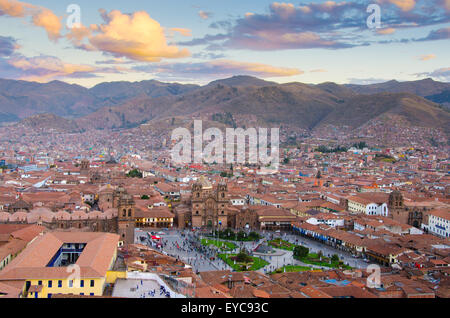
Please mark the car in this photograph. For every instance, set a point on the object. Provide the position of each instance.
(161, 233)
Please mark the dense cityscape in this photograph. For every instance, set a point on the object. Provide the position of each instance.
(309, 229)
(255, 150)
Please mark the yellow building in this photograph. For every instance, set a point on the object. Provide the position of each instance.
(157, 217)
(67, 263)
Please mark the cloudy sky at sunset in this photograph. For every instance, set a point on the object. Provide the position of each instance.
(197, 41)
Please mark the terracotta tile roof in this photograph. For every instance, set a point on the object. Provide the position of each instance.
(94, 261)
(260, 294)
(156, 212)
(441, 213)
(12, 248)
(8, 291)
(209, 292)
(10, 228)
(347, 291)
(28, 233)
(312, 292)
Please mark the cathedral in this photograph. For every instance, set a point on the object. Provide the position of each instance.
(209, 205)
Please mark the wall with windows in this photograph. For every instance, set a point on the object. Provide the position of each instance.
(5, 261)
(439, 226)
(85, 286)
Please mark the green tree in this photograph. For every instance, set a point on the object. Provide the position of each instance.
(228, 234)
(253, 236)
(145, 197)
(241, 236)
(243, 258)
(135, 173)
(335, 258)
(301, 251)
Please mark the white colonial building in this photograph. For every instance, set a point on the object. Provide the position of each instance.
(371, 203)
(438, 223)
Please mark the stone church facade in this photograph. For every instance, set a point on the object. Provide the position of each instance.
(399, 212)
(209, 205)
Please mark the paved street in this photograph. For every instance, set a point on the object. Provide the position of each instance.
(188, 253)
(136, 288)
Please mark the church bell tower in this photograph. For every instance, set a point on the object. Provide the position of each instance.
(126, 218)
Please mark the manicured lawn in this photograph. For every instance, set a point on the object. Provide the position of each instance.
(281, 244)
(313, 259)
(292, 268)
(257, 262)
(223, 245)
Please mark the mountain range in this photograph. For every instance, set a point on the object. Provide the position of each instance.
(242, 101)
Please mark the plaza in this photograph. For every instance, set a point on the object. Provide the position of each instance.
(186, 246)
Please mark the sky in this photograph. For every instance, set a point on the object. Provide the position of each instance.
(198, 41)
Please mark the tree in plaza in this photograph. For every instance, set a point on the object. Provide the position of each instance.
(243, 257)
(241, 236)
(228, 234)
(301, 251)
(335, 258)
(253, 236)
(320, 255)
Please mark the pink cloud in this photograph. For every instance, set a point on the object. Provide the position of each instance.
(40, 16)
(135, 36)
(50, 22)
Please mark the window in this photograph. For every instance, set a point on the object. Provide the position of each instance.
(70, 283)
(82, 283)
(49, 295)
(59, 283)
(40, 282)
(81, 294)
(92, 283)
(50, 284)
(92, 294)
